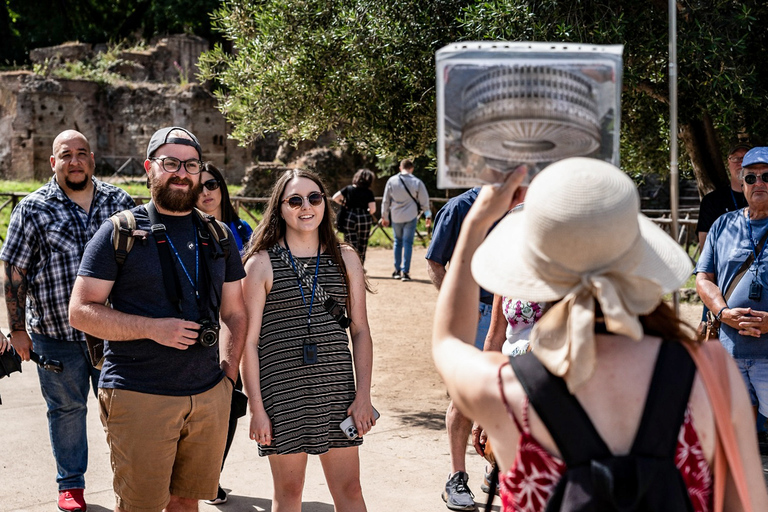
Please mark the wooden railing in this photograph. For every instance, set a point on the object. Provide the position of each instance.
(686, 237)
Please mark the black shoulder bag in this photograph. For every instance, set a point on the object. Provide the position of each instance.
(418, 204)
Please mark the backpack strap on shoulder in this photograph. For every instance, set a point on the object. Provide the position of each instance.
(565, 418)
(218, 232)
(666, 403)
(124, 234)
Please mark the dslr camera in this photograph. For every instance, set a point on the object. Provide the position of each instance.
(208, 335)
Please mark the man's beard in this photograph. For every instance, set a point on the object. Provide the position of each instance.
(76, 186)
(174, 200)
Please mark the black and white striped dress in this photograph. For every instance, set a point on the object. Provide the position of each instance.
(304, 402)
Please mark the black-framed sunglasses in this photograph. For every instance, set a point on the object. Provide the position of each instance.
(212, 184)
(171, 164)
(751, 179)
(296, 201)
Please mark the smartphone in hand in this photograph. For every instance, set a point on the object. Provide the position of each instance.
(348, 425)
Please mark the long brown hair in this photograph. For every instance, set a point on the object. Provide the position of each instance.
(272, 227)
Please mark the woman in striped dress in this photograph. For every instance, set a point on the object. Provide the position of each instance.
(297, 367)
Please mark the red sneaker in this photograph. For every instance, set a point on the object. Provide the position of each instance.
(72, 500)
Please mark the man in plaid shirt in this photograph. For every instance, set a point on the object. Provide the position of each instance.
(46, 237)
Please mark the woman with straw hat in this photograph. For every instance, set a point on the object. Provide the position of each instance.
(582, 244)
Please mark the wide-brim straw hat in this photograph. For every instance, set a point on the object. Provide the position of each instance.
(581, 235)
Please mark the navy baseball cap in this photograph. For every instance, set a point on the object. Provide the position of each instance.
(754, 156)
(162, 136)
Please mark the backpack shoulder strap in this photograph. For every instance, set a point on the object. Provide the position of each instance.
(565, 418)
(216, 229)
(666, 402)
(124, 234)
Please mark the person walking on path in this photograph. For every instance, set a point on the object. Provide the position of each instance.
(405, 199)
(47, 233)
(359, 207)
(297, 368)
(168, 373)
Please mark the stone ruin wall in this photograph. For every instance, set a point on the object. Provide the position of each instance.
(119, 120)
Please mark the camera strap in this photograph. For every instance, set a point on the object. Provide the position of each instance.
(336, 310)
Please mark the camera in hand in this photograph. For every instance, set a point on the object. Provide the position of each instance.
(208, 335)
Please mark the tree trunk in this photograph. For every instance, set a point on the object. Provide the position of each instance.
(700, 141)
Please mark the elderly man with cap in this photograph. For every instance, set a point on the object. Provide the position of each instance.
(46, 236)
(732, 280)
(163, 393)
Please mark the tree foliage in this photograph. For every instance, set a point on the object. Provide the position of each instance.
(25, 25)
(365, 69)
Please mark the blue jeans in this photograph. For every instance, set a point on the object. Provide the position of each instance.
(484, 323)
(755, 374)
(66, 395)
(404, 233)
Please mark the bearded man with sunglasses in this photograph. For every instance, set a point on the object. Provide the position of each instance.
(732, 278)
(163, 394)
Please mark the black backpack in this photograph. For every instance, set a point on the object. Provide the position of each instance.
(646, 479)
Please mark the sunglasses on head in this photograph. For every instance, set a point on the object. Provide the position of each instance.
(296, 201)
(751, 179)
(211, 184)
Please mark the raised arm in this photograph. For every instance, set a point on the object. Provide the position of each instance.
(468, 375)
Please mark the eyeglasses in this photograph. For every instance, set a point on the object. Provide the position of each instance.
(296, 201)
(751, 179)
(171, 164)
(211, 184)
(735, 159)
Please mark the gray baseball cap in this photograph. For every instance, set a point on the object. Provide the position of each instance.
(161, 137)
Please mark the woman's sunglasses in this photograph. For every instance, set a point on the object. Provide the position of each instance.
(211, 184)
(751, 179)
(296, 201)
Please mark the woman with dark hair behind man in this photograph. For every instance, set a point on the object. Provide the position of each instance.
(360, 205)
(214, 200)
(608, 350)
(297, 367)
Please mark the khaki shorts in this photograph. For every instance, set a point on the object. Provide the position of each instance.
(161, 445)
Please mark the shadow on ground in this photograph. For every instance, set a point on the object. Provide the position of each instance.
(426, 419)
(237, 503)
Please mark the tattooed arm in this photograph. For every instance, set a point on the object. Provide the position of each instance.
(16, 303)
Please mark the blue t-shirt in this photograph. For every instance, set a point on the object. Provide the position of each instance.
(144, 365)
(241, 234)
(726, 248)
(446, 229)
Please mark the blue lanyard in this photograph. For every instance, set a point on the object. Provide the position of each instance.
(756, 264)
(197, 262)
(301, 288)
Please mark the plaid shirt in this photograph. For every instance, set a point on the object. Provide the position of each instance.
(46, 237)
